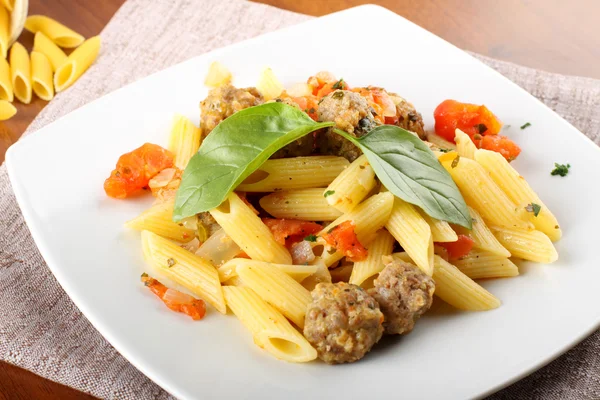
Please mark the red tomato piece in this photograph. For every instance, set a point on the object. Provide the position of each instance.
(308, 104)
(469, 118)
(502, 145)
(458, 249)
(193, 307)
(320, 79)
(290, 231)
(344, 239)
(135, 169)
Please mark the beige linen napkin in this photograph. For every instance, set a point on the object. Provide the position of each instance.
(42, 330)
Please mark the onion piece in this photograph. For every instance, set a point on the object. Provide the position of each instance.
(219, 248)
(302, 253)
(162, 179)
(299, 90)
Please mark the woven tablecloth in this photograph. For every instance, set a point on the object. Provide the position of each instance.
(43, 331)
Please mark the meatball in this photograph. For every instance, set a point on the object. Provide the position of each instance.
(342, 322)
(351, 113)
(222, 102)
(404, 293)
(408, 117)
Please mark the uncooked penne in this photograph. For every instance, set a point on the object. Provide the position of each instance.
(268, 85)
(441, 231)
(482, 236)
(481, 264)
(54, 30)
(519, 191)
(77, 63)
(159, 220)
(7, 110)
(464, 145)
(302, 204)
(294, 173)
(276, 288)
(217, 75)
(413, 233)
(41, 76)
(184, 140)
(296, 272)
(351, 186)
(55, 55)
(4, 31)
(270, 329)
(184, 268)
(526, 244)
(248, 231)
(20, 72)
(381, 246)
(6, 89)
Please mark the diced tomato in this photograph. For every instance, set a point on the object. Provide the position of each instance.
(320, 79)
(502, 145)
(458, 249)
(344, 239)
(369, 95)
(290, 231)
(135, 169)
(469, 118)
(308, 104)
(195, 308)
(383, 99)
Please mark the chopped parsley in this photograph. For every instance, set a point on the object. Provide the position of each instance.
(560, 169)
(445, 150)
(526, 125)
(533, 208)
(311, 238)
(338, 95)
(339, 84)
(455, 162)
(482, 128)
(328, 193)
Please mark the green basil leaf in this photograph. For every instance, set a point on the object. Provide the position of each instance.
(234, 150)
(411, 171)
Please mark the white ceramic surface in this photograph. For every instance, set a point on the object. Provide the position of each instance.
(58, 172)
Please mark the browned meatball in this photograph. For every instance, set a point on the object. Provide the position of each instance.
(342, 322)
(222, 102)
(351, 113)
(408, 117)
(404, 293)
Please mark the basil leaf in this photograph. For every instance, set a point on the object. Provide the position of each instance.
(234, 150)
(409, 170)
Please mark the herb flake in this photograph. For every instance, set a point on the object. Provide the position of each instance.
(560, 169)
(339, 84)
(328, 193)
(455, 162)
(526, 125)
(311, 238)
(533, 208)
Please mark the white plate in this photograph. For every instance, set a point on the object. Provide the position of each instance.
(58, 172)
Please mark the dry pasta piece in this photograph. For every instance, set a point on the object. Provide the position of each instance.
(41, 76)
(4, 31)
(351, 186)
(381, 246)
(302, 204)
(413, 233)
(441, 231)
(20, 71)
(276, 288)
(268, 85)
(296, 272)
(464, 145)
(519, 191)
(184, 140)
(526, 244)
(294, 173)
(184, 268)
(270, 329)
(55, 55)
(6, 90)
(54, 30)
(7, 110)
(77, 63)
(247, 230)
(159, 219)
(482, 236)
(481, 264)
(218, 75)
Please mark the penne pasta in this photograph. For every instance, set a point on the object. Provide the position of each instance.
(184, 268)
(525, 244)
(519, 191)
(351, 186)
(7, 110)
(41, 76)
(373, 265)
(341, 273)
(296, 272)
(217, 75)
(441, 231)
(6, 89)
(8, 4)
(159, 220)
(413, 233)
(294, 173)
(4, 31)
(368, 217)
(276, 288)
(20, 72)
(54, 30)
(268, 85)
(464, 145)
(76, 64)
(481, 264)
(184, 140)
(247, 230)
(269, 328)
(55, 55)
(302, 204)
(482, 236)
(440, 142)
(234, 281)
(482, 193)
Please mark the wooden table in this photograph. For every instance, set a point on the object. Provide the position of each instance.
(555, 35)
